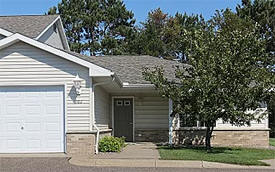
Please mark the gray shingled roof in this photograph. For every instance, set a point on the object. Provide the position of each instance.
(129, 68)
(29, 25)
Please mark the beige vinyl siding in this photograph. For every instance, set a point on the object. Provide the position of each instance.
(263, 124)
(102, 112)
(151, 112)
(22, 64)
(52, 37)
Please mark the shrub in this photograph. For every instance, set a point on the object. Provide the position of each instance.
(111, 144)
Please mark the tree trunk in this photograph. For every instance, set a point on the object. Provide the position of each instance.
(209, 131)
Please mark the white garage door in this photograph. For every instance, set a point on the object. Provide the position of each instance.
(31, 119)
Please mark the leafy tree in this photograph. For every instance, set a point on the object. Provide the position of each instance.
(261, 12)
(161, 35)
(226, 76)
(96, 26)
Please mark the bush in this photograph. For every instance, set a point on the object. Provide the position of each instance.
(111, 144)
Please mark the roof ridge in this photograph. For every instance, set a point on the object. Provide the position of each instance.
(29, 15)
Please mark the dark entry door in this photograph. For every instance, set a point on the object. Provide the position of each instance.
(123, 118)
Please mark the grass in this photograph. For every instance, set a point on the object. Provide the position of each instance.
(241, 156)
(272, 141)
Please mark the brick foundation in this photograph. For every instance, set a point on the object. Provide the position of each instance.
(234, 138)
(83, 143)
(189, 137)
(241, 138)
(80, 144)
(143, 135)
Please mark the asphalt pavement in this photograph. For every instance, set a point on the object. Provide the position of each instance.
(54, 164)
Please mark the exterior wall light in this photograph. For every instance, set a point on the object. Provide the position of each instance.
(77, 84)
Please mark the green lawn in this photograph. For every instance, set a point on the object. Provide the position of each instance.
(272, 141)
(239, 156)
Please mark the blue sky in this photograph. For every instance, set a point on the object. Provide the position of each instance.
(139, 7)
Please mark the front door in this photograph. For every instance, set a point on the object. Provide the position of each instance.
(123, 118)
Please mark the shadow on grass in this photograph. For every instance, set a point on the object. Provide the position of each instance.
(216, 150)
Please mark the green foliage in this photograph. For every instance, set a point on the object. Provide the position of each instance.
(228, 73)
(239, 156)
(111, 144)
(272, 141)
(161, 35)
(261, 12)
(52, 10)
(96, 26)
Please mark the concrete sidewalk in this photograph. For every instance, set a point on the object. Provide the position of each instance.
(160, 163)
(142, 150)
(145, 154)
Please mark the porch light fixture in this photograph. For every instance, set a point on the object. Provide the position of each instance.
(77, 84)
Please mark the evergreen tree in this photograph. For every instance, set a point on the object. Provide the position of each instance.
(96, 27)
(161, 35)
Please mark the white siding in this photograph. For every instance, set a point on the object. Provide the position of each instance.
(102, 112)
(151, 112)
(22, 64)
(254, 124)
(52, 37)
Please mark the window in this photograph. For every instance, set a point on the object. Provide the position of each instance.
(189, 121)
(55, 28)
(127, 103)
(119, 102)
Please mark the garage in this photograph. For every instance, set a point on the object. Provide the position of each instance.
(31, 119)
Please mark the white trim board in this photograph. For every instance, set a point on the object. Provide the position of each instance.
(113, 113)
(47, 28)
(5, 32)
(63, 35)
(60, 29)
(94, 70)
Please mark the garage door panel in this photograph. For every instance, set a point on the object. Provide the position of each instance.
(14, 143)
(50, 127)
(52, 109)
(51, 144)
(32, 119)
(2, 142)
(13, 126)
(33, 109)
(32, 127)
(13, 108)
(34, 144)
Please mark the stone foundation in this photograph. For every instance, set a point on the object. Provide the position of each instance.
(189, 137)
(241, 138)
(157, 135)
(80, 144)
(233, 138)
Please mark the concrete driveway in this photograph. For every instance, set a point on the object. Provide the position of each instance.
(54, 164)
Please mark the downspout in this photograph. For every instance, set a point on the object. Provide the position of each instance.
(170, 122)
(93, 110)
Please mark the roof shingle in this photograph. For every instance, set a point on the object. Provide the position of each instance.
(28, 25)
(129, 68)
